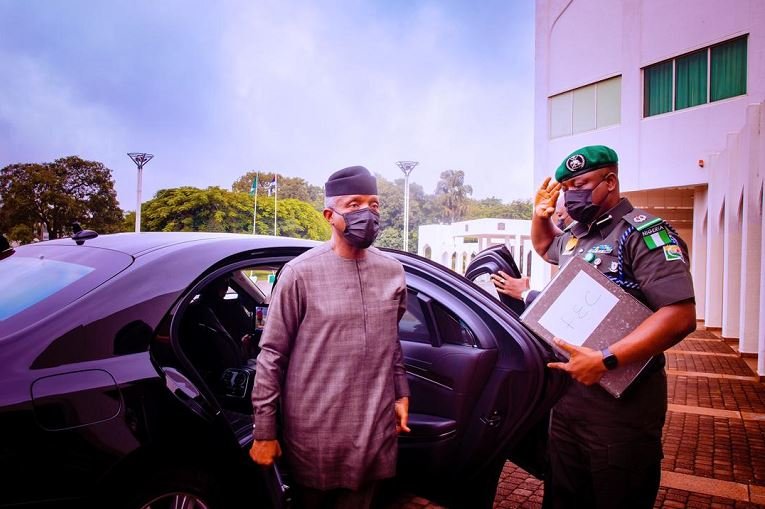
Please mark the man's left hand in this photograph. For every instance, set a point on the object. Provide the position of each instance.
(401, 407)
(585, 365)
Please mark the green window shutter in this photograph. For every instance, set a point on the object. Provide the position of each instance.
(728, 76)
(691, 80)
(658, 89)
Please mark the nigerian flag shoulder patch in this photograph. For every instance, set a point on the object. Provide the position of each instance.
(656, 236)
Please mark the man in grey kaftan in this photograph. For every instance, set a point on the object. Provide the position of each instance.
(330, 355)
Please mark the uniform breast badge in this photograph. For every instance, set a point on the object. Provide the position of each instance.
(570, 245)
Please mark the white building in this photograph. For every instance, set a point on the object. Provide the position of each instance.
(454, 245)
(677, 89)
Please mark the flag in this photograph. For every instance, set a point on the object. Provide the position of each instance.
(658, 239)
(272, 186)
(254, 186)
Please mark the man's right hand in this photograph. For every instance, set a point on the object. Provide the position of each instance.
(264, 452)
(546, 198)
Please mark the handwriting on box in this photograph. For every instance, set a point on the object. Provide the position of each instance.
(579, 309)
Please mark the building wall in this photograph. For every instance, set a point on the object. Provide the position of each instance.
(716, 150)
(629, 35)
(444, 243)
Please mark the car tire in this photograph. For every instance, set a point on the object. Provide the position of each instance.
(173, 489)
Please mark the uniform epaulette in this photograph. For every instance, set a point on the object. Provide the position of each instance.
(655, 230)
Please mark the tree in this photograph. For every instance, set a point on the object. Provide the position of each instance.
(452, 194)
(288, 187)
(389, 237)
(57, 194)
(218, 210)
(494, 207)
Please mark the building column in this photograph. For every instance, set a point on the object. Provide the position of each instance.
(699, 254)
(715, 230)
(731, 242)
(751, 254)
(761, 328)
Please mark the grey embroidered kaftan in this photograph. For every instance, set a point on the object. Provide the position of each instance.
(331, 358)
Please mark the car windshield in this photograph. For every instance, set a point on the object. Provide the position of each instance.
(39, 280)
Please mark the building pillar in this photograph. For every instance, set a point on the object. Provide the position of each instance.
(761, 327)
(715, 230)
(699, 254)
(751, 254)
(731, 241)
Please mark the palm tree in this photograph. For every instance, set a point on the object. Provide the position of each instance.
(452, 194)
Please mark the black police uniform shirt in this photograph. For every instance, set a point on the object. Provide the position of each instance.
(657, 276)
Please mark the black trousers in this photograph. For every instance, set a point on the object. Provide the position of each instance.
(606, 452)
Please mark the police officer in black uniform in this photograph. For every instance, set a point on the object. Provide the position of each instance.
(604, 451)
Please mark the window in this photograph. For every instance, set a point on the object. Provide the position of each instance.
(451, 329)
(728, 76)
(413, 325)
(586, 108)
(500, 226)
(706, 75)
(691, 80)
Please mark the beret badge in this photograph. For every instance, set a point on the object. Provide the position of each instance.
(575, 162)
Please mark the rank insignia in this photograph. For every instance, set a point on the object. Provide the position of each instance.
(571, 244)
(656, 236)
(673, 252)
(597, 261)
(639, 218)
(601, 249)
(614, 267)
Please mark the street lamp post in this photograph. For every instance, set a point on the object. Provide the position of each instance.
(406, 167)
(140, 159)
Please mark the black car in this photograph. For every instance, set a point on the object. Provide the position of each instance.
(127, 363)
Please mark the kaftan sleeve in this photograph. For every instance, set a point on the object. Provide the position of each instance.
(399, 373)
(284, 317)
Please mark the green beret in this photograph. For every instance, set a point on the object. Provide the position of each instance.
(584, 160)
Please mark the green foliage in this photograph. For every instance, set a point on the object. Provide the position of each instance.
(390, 237)
(494, 207)
(218, 210)
(288, 187)
(452, 194)
(55, 195)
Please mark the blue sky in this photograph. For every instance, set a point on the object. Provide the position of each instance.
(216, 89)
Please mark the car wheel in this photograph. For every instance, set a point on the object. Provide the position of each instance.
(178, 500)
(173, 489)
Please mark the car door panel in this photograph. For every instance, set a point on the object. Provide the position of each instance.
(498, 391)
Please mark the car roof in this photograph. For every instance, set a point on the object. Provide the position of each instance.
(137, 244)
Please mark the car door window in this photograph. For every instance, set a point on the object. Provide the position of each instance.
(412, 326)
(452, 329)
(445, 326)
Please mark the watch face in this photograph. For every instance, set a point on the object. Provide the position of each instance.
(609, 359)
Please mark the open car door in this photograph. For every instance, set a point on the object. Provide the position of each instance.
(491, 261)
(479, 386)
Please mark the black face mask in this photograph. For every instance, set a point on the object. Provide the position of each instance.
(579, 204)
(361, 227)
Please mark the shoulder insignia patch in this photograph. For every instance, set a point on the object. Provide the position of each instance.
(656, 236)
(673, 252)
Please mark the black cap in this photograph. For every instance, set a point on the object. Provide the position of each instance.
(351, 180)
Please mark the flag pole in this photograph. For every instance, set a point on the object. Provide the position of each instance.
(276, 190)
(255, 211)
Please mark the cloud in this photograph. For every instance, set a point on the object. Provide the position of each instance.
(317, 89)
(296, 87)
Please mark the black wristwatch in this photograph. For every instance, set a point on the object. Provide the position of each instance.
(609, 360)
